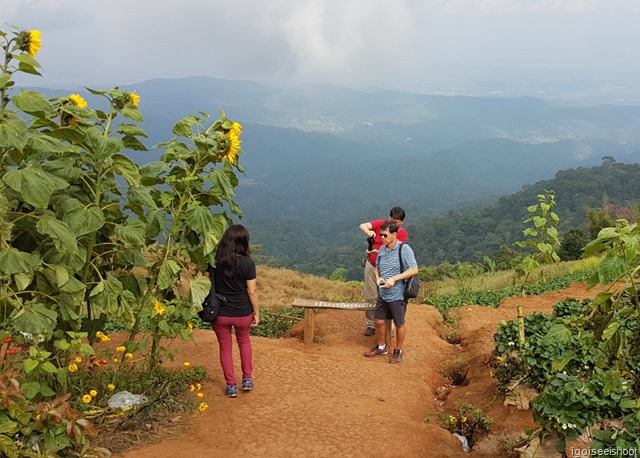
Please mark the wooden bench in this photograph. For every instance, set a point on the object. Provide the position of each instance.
(309, 305)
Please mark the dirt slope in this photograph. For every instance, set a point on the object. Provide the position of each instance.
(327, 400)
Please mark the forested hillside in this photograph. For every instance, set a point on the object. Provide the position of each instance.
(469, 235)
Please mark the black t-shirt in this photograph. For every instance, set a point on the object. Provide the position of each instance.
(234, 288)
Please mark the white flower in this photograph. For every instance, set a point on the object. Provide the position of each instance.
(511, 344)
(564, 426)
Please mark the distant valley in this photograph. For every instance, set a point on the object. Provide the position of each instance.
(320, 159)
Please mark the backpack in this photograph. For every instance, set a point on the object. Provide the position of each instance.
(411, 285)
(211, 303)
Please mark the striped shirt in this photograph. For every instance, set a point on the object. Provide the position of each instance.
(388, 264)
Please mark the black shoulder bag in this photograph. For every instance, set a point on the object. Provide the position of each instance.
(411, 285)
(211, 303)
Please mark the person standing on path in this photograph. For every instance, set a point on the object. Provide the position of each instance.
(372, 231)
(235, 280)
(391, 301)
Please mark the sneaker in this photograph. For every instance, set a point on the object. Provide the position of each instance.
(375, 351)
(247, 384)
(231, 391)
(370, 331)
(396, 357)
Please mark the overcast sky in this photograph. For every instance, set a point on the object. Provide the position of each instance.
(429, 45)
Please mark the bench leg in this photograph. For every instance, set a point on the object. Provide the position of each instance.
(308, 326)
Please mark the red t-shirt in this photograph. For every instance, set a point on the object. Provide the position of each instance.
(377, 242)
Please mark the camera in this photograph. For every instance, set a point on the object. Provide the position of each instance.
(370, 241)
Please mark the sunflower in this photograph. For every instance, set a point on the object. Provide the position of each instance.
(35, 43)
(203, 406)
(234, 146)
(236, 128)
(86, 398)
(134, 98)
(78, 100)
(72, 368)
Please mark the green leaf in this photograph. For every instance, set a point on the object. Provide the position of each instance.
(611, 268)
(14, 261)
(34, 184)
(46, 144)
(167, 274)
(106, 294)
(35, 319)
(101, 147)
(69, 134)
(49, 368)
(610, 330)
(31, 102)
(141, 196)
(132, 129)
(529, 264)
(62, 235)
(13, 133)
(4, 79)
(23, 280)
(210, 227)
(84, 220)
(133, 233)
(182, 128)
(559, 364)
(29, 365)
(127, 168)
(200, 288)
(131, 112)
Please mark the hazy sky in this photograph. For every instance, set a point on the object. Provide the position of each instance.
(432, 45)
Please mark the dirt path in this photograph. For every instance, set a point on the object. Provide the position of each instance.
(327, 400)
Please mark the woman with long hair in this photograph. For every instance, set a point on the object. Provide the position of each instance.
(235, 279)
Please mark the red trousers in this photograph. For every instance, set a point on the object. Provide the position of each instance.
(222, 327)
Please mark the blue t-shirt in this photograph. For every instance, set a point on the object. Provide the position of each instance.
(388, 263)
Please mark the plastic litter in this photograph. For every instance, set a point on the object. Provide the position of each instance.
(465, 443)
(126, 400)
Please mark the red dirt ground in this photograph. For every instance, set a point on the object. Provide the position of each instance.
(327, 400)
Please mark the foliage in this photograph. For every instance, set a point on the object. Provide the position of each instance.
(542, 238)
(87, 236)
(572, 243)
(275, 322)
(584, 357)
(466, 422)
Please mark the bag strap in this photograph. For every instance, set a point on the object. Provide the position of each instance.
(402, 269)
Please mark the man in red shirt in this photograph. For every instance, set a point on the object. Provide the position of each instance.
(372, 230)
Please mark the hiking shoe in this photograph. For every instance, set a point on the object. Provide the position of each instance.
(231, 391)
(247, 384)
(369, 331)
(396, 357)
(375, 351)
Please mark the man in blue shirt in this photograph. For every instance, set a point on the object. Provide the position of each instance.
(391, 301)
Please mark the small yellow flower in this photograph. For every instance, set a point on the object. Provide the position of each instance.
(102, 337)
(77, 359)
(78, 100)
(111, 387)
(491, 374)
(120, 349)
(72, 368)
(93, 393)
(128, 355)
(86, 398)
(453, 420)
(499, 358)
(189, 324)
(35, 42)
(192, 388)
(115, 360)
(158, 308)
(200, 394)
(134, 98)
(463, 419)
(203, 406)
(186, 364)
(198, 386)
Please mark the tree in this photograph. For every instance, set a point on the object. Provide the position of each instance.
(542, 237)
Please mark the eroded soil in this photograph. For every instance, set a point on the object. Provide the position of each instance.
(327, 400)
